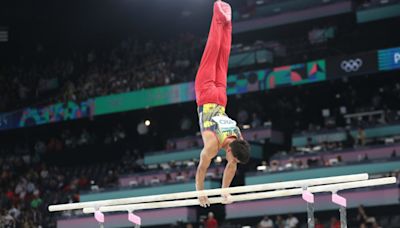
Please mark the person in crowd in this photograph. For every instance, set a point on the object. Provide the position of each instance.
(361, 138)
(349, 139)
(335, 223)
(266, 222)
(211, 222)
(291, 222)
(394, 154)
(256, 121)
(362, 216)
(318, 223)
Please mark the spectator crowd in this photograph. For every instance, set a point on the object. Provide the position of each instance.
(131, 65)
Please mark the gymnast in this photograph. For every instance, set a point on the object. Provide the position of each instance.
(217, 129)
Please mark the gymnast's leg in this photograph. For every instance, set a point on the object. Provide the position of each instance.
(223, 64)
(205, 82)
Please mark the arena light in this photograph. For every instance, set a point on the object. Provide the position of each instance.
(3, 34)
(246, 126)
(261, 168)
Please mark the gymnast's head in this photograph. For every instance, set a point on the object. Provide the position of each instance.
(240, 149)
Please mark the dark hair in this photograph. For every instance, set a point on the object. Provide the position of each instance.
(241, 150)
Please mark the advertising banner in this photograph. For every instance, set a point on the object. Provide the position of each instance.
(351, 65)
(252, 81)
(270, 78)
(54, 113)
(145, 98)
(9, 120)
(296, 74)
(389, 59)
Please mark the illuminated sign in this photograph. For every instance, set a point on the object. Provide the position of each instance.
(352, 65)
(389, 59)
(56, 113)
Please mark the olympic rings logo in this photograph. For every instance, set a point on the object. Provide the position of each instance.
(351, 65)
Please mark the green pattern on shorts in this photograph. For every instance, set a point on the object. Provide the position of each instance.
(206, 113)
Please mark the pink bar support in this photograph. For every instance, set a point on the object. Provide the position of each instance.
(134, 219)
(308, 196)
(339, 200)
(99, 216)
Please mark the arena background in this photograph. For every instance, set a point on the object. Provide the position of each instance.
(97, 102)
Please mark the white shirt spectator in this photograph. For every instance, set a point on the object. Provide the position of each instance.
(14, 212)
(266, 223)
(30, 188)
(291, 222)
(9, 221)
(21, 186)
(44, 174)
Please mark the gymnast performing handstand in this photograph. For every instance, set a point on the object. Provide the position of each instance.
(217, 129)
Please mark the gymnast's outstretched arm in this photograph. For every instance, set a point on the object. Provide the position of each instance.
(230, 170)
(209, 151)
